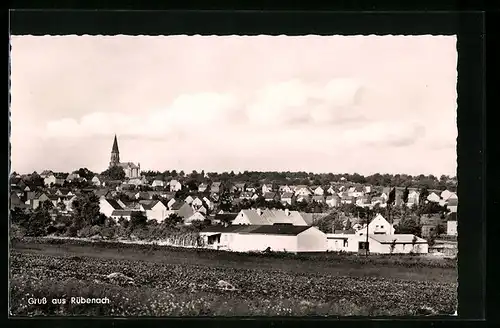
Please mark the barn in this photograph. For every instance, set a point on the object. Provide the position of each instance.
(378, 243)
(278, 238)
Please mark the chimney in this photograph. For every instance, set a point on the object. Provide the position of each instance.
(287, 212)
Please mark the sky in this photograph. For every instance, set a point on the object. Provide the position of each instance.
(339, 104)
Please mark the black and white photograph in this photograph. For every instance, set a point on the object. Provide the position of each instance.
(233, 176)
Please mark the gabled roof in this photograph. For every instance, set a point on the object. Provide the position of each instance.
(318, 197)
(277, 229)
(122, 213)
(114, 204)
(177, 205)
(274, 216)
(398, 238)
(287, 195)
(148, 205)
(228, 217)
(268, 195)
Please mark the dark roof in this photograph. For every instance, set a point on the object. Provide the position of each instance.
(114, 204)
(259, 229)
(278, 229)
(452, 216)
(226, 217)
(121, 213)
(177, 205)
(269, 195)
(115, 146)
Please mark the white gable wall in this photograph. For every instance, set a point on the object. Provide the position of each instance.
(311, 240)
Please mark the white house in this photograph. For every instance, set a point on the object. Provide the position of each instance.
(189, 200)
(96, 181)
(368, 189)
(117, 214)
(171, 202)
(331, 190)
(413, 198)
(286, 189)
(49, 179)
(302, 191)
(209, 203)
(267, 188)
(270, 217)
(175, 185)
(378, 226)
(445, 194)
(202, 187)
(319, 191)
(197, 216)
(278, 238)
(287, 198)
(158, 183)
(378, 244)
(332, 201)
(433, 198)
(197, 202)
(107, 206)
(451, 228)
(155, 210)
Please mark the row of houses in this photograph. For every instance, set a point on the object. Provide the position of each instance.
(289, 231)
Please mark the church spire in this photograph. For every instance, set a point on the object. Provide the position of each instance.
(115, 146)
(115, 154)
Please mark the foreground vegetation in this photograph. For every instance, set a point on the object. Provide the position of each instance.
(164, 281)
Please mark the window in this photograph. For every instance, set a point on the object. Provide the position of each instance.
(382, 227)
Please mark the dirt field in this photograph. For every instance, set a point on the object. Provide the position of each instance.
(165, 281)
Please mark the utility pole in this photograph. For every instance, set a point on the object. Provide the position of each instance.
(367, 242)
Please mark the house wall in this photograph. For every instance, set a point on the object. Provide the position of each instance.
(157, 213)
(311, 240)
(105, 208)
(337, 244)
(378, 248)
(241, 218)
(451, 228)
(260, 242)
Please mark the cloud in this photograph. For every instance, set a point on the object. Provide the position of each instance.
(289, 103)
(384, 134)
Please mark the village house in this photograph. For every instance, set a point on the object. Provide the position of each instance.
(209, 203)
(107, 206)
(251, 189)
(331, 190)
(197, 216)
(367, 189)
(381, 201)
(73, 177)
(287, 198)
(202, 188)
(430, 223)
(377, 243)
(271, 196)
(180, 208)
(246, 195)
(175, 185)
(125, 214)
(50, 179)
(270, 217)
(302, 190)
(318, 199)
(377, 226)
(197, 202)
(303, 198)
(216, 187)
(158, 183)
(240, 187)
(267, 187)
(452, 205)
(155, 210)
(433, 198)
(355, 191)
(347, 199)
(202, 209)
(278, 238)
(319, 191)
(189, 200)
(286, 189)
(451, 228)
(332, 201)
(96, 181)
(413, 198)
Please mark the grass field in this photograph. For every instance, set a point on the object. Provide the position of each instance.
(166, 281)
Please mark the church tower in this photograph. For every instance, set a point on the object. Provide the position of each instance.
(115, 154)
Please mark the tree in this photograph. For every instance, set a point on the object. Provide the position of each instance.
(172, 220)
(406, 192)
(408, 225)
(85, 173)
(38, 222)
(392, 197)
(114, 173)
(424, 193)
(86, 211)
(137, 220)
